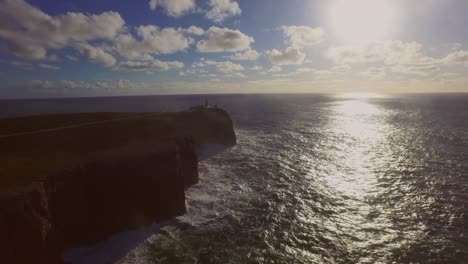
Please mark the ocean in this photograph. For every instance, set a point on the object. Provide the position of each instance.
(315, 179)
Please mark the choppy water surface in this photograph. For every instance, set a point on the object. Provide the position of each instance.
(321, 179)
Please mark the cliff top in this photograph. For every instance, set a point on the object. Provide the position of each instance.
(35, 147)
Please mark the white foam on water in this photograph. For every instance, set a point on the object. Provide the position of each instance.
(113, 248)
(201, 203)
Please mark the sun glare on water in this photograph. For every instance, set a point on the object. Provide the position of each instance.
(361, 21)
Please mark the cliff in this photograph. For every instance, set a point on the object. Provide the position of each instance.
(72, 180)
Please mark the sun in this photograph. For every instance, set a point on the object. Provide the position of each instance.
(361, 21)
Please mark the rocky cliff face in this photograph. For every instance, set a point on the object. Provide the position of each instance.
(121, 175)
(27, 234)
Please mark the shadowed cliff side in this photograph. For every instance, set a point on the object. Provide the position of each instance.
(75, 179)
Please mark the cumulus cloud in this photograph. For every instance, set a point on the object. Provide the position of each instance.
(174, 8)
(457, 57)
(246, 55)
(29, 33)
(154, 40)
(222, 9)
(401, 57)
(302, 36)
(156, 65)
(290, 56)
(96, 54)
(237, 74)
(193, 30)
(226, 67)
(388, 52)
(224, 39)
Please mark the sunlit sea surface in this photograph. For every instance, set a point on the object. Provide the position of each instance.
(316, 179)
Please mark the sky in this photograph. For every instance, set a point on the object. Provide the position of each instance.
(83, 48)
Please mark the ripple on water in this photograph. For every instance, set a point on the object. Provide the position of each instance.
(332, 181)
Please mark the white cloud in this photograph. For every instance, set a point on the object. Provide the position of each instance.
(246, 55)
(29, 33)
(155, 40)
(322, 74)
(275, 69)
(446, 77)
(174, 8)
(237, 74)
(402, 57)
(374, 73)
(388, 52)
(210, 75)
(457, 57)
(305, 70)
(290, 56)
(421, 70)
(221, 66)
(307, 73)
(222, 9)
(224, 39)
(96, 54)
(228, 67)
(156, 65)
(256, 68)
(302, 36)
(48, 66)
(193, 30)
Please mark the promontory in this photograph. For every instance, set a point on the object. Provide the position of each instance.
(71, 180)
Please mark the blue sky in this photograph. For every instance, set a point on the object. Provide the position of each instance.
(100, 48)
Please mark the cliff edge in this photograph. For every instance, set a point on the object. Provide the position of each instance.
(71, 180)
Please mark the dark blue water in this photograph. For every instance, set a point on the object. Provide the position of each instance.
(316, 179)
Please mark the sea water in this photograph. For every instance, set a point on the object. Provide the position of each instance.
(315, 179)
